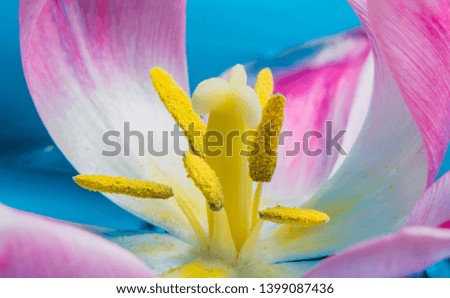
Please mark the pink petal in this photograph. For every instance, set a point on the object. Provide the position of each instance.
(87, 67)
(34, 246)
(409, 251)
(377, 185)
(433, 208)
(445, 225)
(323, 86)
(413, 37)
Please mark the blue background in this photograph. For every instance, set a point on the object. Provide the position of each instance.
(34, 176)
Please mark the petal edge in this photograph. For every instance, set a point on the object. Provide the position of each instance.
(34, 246)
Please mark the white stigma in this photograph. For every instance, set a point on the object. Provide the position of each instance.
(215, 93)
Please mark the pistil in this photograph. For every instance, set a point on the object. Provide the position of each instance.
(235, 109)
(232, 169)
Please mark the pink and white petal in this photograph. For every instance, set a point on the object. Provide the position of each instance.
(258, 269)
(297, 269)
(377, 185)
(408, 251)
(161, 252)
(445, 225)
(87, 67)
(34, 246)
(433, 208)
(322, 81)
(413, 37)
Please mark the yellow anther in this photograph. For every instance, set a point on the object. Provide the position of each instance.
(263, 159)
(199, 270)
(294, 216)
(264, 86)
(179, 105)
(205, 179)
(124, 186)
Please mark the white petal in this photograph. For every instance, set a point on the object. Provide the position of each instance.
(161, 252)
(374, 189)
(87, 67)
(325, 80)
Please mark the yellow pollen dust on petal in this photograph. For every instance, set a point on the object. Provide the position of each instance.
(179, 105)
(294, 216)
(263, 158)
(124, 186)
(198, 270)
(264, 85)
(205, 179)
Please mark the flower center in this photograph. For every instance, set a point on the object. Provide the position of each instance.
(248, 122)
(232, 107)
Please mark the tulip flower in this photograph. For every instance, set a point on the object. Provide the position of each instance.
(87, 66)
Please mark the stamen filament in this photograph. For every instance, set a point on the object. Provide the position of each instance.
(124, 186)
(249, 246)
(256, 202)
(222, 242)
(195, 224)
